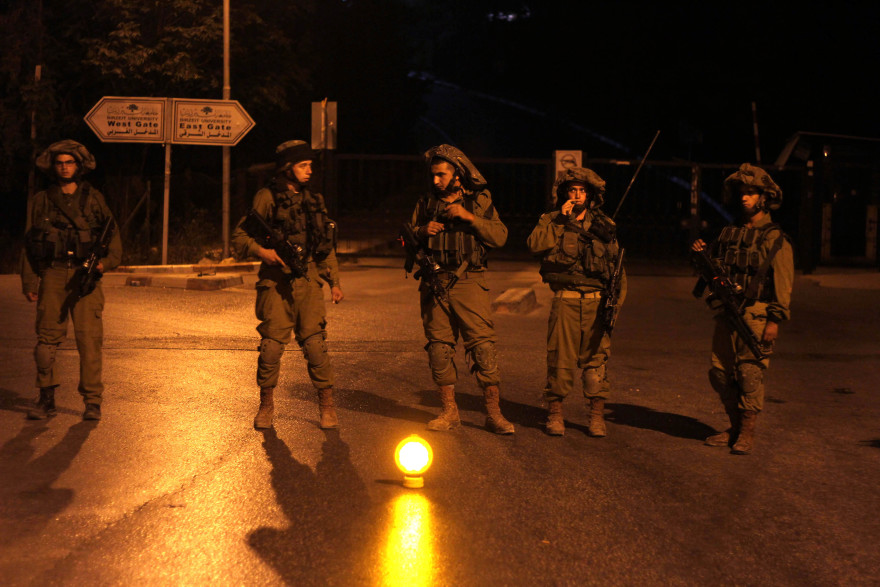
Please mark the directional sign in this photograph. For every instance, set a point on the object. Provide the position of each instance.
(128, 120)
(209, 122)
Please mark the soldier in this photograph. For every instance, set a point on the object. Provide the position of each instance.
(578, 248)
(65, 222)
(290, 299)
(757, 256)
(457, 224)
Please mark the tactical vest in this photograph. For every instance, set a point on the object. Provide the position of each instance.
(62, 234)
(456, 243)
(583, 253)
(303, 219)
(741, 251)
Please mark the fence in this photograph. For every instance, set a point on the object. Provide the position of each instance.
(670, 203)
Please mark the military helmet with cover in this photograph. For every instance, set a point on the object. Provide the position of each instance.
(84, 159)
(753, 176)
(467, 172)
(590, 179)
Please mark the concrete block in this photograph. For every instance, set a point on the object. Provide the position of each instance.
(516, 300)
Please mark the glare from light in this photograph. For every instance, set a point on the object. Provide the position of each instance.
(409, 553)
(413, 457)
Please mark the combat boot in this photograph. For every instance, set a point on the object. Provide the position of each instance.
(726, 437)
(45, 406)
(746, 440)
(325, 406)
(596, 427)
(92, 412)
(448, 418)
(495, 422)
(555, 425)
(266, 414)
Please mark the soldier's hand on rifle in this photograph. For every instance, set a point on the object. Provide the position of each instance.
(431, 228)
(771, 331)
(459, 211)
(336, 294)
(269, 256)
(698, 245)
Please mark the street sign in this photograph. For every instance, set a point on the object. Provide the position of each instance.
(323, 125)
(567, 159)
(208, 122)
(128, 120)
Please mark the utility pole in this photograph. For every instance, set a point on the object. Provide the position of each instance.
(227, 91)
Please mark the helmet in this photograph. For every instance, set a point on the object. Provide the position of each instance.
(595, 185)
(289, 153)
(468, 174)
(750, 175)
(84, 159)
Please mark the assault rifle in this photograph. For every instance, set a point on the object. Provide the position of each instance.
(88, 275)
(611, 295)
(292, 254)
(731, 297)
(429, 270)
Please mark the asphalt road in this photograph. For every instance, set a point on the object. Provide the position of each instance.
(175, 487)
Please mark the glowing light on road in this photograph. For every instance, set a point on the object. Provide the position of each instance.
(409, 554)
(413, 457)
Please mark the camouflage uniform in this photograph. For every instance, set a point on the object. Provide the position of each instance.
(286, 306)
(63, 228)
(736, 374)
(578, 258)
(461, 249)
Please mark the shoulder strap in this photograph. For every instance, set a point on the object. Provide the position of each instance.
(489, 210)
(758, 279)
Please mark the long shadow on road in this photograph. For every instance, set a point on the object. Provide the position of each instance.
(358, 400)
(646, 418)
(322, 507)
(27, 499)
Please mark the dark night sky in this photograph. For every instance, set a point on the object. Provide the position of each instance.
(624, 70)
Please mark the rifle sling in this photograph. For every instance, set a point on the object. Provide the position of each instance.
(73, 214)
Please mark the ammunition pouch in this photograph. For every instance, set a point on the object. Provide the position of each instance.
(454, 247)
(39, 247)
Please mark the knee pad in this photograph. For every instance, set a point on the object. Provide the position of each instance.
(271, 351)
(44, 355)
(440, 355)
(593, 380)
(314, 349)
(484, 357)
(719, 380)
(751, 375)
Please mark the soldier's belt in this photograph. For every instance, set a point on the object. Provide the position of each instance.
(567, 293)
(66, 263)
(465, 275)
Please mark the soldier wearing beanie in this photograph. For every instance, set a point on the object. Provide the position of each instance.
(290, 303)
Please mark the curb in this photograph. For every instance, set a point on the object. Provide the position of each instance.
(191, 282)
(247, 267)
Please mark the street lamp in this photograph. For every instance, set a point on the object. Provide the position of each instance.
(413, 456)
